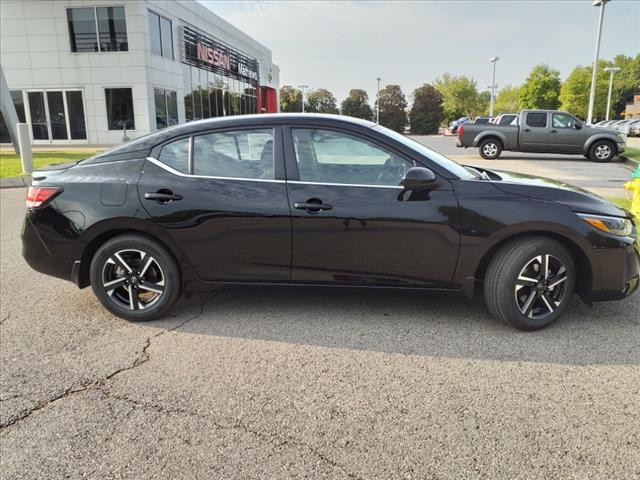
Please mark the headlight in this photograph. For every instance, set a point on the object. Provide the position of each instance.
(613, 225)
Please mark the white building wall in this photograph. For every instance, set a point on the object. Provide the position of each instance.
(35, 54)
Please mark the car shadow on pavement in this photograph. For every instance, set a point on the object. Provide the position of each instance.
(416, 323)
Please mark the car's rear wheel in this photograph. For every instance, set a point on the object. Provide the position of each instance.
(530, 282)
(490, 149)
(602, 151)
(135, 278)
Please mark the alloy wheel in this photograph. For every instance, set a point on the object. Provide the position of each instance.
(603, 152)
(541, 286)
(490, 149)
(133, 279)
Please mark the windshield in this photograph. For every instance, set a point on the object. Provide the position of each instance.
(446, 163)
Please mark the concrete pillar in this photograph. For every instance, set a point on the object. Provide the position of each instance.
(24, 142)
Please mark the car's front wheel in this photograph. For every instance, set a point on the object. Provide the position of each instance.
(490, 149)
(530, 282)
(135, 278)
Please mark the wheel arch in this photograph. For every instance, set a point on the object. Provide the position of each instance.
(491, 135)
(597, 137)
(584, 272)
(101, 233)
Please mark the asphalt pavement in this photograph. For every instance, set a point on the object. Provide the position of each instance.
(266, 383)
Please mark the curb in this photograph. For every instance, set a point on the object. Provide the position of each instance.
(15, 182)
(630, 161)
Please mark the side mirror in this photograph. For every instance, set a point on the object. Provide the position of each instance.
(418, 178)
(577, 126)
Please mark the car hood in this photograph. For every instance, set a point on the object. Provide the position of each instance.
(609, 130)
(576, 198)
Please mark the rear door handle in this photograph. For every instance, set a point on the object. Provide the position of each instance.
(554, 131)
(312, 206)
(527, 130)
(162, 196)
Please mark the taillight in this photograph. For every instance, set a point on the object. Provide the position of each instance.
(460, 131)
(40, 196)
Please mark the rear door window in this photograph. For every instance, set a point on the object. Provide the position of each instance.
(176, 155)
(234, 154)
(537, 119)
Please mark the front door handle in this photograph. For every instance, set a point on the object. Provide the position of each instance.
(527, 130)
(554, 131)
(312, 205)
(162, 196)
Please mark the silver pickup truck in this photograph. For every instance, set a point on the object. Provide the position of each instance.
(543, 131)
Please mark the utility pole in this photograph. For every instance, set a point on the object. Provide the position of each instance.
(612, 70)
(594, 76)
(493, 85)
(378, 102)
(302, 89)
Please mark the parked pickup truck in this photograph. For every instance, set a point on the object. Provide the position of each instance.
(543, 131)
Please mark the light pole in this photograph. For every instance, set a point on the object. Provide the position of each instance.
(302, 89)
(594, 76)
(612, 70)
(378, 102)
(493, 85)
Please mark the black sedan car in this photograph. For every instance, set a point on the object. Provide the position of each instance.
(319, 200)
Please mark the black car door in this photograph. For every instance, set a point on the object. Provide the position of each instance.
(353, 224)
(222, 197)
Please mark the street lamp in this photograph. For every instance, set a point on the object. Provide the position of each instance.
(592, 95)
(378, 102)
(302, 89)
(612, 70)
(493, 85)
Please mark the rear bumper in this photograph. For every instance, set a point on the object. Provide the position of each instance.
(37, 252)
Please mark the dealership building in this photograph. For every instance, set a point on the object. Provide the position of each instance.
(86, 72)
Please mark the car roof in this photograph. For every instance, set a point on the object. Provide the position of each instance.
(147, 142)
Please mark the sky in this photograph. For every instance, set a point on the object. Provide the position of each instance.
(341, 45)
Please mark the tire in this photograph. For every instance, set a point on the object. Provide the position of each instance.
(602, 151)
(143, 277)
(490, 149)
(511, 284)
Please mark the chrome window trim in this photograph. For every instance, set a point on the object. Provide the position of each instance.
(300, 182)
(180, 174)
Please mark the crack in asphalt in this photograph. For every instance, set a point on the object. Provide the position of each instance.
(277, 439)
(142, 358)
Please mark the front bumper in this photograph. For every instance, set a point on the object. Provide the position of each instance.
(616, 274)
(621, 147)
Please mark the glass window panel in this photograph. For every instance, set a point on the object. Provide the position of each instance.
(219, 102)
(38, 116)
(239, 154)
(82, 29)
(188, 102)
(112, 29)
(537, 119)
(4, 130)
(167, 38)
(57, 117)
(154, 34)
(75, 108)
(161, 108)
(119, 108)
(330, 157)
(561, 120)
(204, 93)
(172, 108)
(176, 155)
(197, 102)
(18, 103)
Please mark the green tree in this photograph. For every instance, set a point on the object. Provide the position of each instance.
(625, 83)
(460, 96)
(393, 106)
(357, 105)
(321, 101)
(575, 91)
(290, 99)
(541, 89)
(426, 113)
(507, 100)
